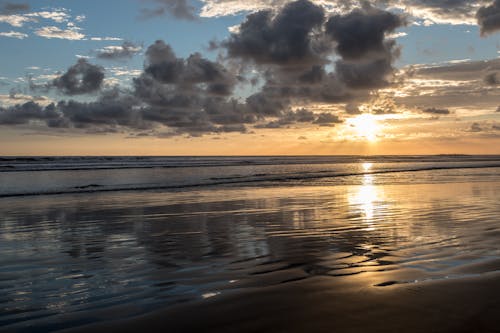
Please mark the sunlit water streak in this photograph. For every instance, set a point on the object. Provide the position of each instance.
(68, 259)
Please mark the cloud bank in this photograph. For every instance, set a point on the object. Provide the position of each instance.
(288, 59)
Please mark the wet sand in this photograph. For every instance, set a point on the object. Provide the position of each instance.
(362, 258)
(325, 305)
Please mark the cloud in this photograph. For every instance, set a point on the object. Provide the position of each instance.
(361, 33)
(284, 38)
(177, 8)
(14, 34)
(16, 20)
(366, 75)
(440, 11)
(361, 41)
(421, 11)
(352, 109)
(105, 39)
(17, 97)
(492, 79)
(125, 51)
(488, 18)
(11, 14)
(487, 128)
(327, 119)
(99, 114)
(301, 116)
(25, 113)
(292, 56)
(436, 111)
(58, 15)
(81, 78)
(476, 127)
(294, 45)
(461, 86)
(166, 68)
(55, 32)
(464, 70)
(8, 8)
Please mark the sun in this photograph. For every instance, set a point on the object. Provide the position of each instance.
(365, 126)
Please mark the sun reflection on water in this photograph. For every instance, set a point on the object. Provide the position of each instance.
(364, 200)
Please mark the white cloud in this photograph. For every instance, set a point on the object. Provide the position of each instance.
(120, 48)
(123, 71)
(14, 34)
(59, 16)
(234, 29)
(217, 8)
(11, 100)
(397, 35)
(43, 78)
(16, 20)
(425, 12)
(55, 32)
(105, 38)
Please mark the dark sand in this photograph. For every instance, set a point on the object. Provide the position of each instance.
(322, 304)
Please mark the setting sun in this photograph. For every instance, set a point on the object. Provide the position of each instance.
(365, 126)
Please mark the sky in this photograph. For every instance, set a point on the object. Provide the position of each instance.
(255, 77)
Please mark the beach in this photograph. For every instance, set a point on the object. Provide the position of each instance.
(321, 305)
(411, 249)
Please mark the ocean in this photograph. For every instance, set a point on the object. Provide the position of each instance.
(99, 240)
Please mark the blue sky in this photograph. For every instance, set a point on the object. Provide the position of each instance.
(122, 19)
(117, 19)
(433, 47)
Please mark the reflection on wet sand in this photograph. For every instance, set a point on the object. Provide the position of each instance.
(66, 258)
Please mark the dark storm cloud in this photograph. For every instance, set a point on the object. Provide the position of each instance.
(314, 75)
(436, 111)
(81, 78)
(488, 18)
(302, 116)
(9, 8)
(264, 104)
(108, 111)
(164, 67)
(361, 33)
(162, 64)
(287, 37)
(293, 46)
(177, 8)
(368, 75)
(24, 113)
(191, 96)
(327, 119)
(159, 52)
(125, 51)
